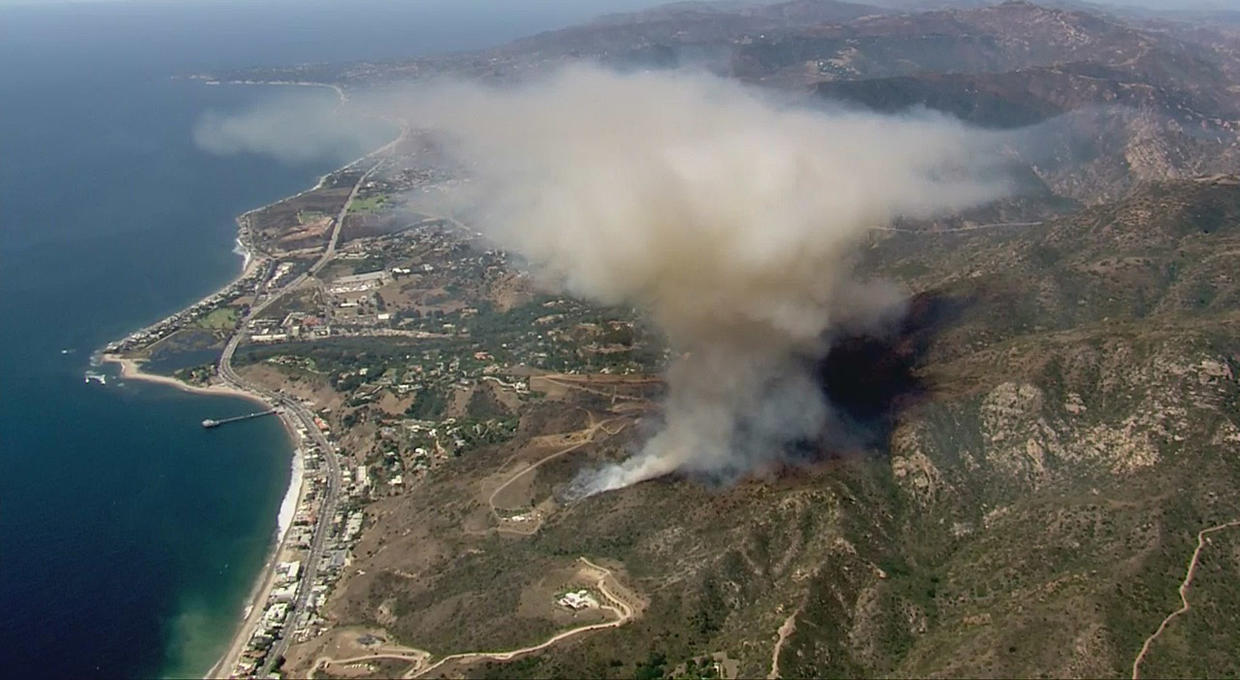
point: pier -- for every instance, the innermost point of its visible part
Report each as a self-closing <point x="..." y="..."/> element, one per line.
<point x="209" y="423"/>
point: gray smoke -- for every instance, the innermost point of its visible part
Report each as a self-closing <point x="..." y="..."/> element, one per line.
<point x="294" y="127"/>
<point x="728" y="218"/>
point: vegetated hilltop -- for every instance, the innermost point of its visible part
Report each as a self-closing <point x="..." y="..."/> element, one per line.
<point x="1116" y="105"/>
<point x="661" y="29"/>
<point x="1080" y="433"/>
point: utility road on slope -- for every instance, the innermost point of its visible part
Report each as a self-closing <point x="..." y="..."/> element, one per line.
<point x="623" y="612"/>
<point x="786" y="629"/>
<point x="586" y="437"/>
<point x="1184" y="606"/>
<point x="956" y="230"/>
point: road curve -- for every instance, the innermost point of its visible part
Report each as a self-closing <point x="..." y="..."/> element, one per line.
<point x="589" y="439"/>
<point x="623" y="612"/>
<point x="294" y="409"/>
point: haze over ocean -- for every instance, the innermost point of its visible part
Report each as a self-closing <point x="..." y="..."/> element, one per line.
<point x="129" y="536"/>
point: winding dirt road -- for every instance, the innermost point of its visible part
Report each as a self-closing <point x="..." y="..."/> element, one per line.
<point x="623" y="612"/>
<point x="416" y="657"/>
<point x="1184" y="606"/>
<point x="587" y="438"/>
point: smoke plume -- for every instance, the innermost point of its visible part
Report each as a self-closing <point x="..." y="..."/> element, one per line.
<point x="728" y="218"/>
<point x="293" y="127"/>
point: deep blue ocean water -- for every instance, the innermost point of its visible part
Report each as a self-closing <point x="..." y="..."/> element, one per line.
<point x="129" y="536"/>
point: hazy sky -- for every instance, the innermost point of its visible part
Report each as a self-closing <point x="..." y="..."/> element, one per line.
<point x="1147" y="4"/>
<point x="180" y="36"/>
<point x="602" y="6"/>
<point x="598" y="6"/>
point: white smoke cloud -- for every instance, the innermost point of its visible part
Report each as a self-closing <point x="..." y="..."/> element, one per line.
<point x="294" y="128"/>
<point x="730" y="219"/>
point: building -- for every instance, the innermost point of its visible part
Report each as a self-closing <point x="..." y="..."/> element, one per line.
<point x="578" y="600"/>
<point x="288" y="571"/>
<point x="359" y="282"/>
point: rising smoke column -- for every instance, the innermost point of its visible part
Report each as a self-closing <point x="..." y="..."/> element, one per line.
<point x="728" y="218"/>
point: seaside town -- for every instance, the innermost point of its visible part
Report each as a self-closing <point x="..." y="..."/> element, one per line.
<point x="388" y="341"/>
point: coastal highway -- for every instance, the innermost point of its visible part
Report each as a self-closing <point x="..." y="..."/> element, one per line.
<point x="322" y="527"/>
<point x="328" y="254"/>
<point x="294" y="409"/>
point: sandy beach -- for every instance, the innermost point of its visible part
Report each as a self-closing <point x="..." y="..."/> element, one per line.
<point x="132" y="369"/>
<point x="253" y="611"/>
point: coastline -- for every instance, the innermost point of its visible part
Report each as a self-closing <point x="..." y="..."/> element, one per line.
<point x="263" y="583"/>
<point x="293" y="495"/>
<point x="251" y="612"/>
<point x="132" y="370"/>
<point x="253" y="259"/>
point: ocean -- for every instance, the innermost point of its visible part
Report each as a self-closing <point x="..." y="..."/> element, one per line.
<point x="129" y="535"/>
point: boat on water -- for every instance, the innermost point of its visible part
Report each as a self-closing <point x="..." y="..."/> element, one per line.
<point x="95" y="376"/>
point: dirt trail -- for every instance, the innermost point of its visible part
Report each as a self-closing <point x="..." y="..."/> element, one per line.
<point x="1184" y="606"/>
<point x="587" y="437"/>
<point x="578" y="385"/>
<point x="956" y="230"/>
<point x="786" y="629"/>
<point x="623" y="612"/>
<point x="417" y="657"/>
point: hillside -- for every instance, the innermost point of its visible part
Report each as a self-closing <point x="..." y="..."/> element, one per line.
<point x="1018" y="470"/>
<point x="1029" y="511"/>
<point x="1031" y="515"/>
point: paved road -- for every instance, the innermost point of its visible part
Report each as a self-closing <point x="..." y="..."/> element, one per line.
<point x="295" y="409"/>
<point x="326" y="257"/>
<point x="322" y="527"/>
